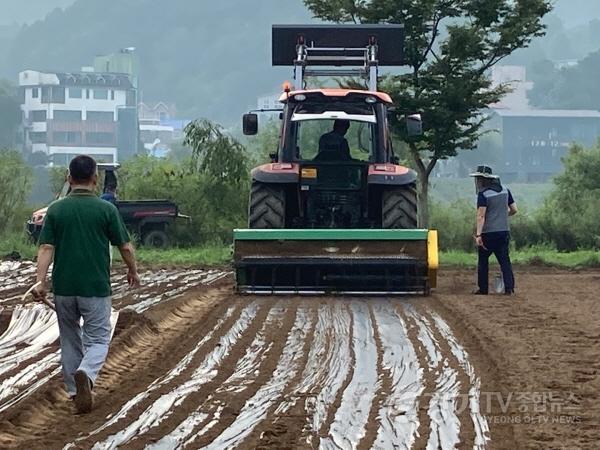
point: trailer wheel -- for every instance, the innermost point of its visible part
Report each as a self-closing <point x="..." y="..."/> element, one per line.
<point x="399" y="208"/>
<point x="267" y="207"/>
<point x="156" y="239"/>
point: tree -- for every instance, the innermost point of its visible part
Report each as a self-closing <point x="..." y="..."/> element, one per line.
<point x="450" y="47"/>
<point x="10" y="114"/>
<point x="216" y="154"/>
<point x="570" y="216"/>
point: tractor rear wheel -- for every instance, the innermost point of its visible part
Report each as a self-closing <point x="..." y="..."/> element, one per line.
<point x="399" y="208"/>
<point x="267" y="207"/>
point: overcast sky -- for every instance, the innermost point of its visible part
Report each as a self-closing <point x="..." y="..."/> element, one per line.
<point x="573" y="12"/>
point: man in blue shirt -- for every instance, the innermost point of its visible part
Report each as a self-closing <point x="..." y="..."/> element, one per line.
<point x="110" y="195"/>
<point x="495" y="204"/>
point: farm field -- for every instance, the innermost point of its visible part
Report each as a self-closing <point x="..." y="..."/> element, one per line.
<point x="193" y="365"/>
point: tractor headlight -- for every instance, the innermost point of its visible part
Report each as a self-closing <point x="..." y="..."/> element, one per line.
<point x="370" y="100"/>
<point x="299" y="97"/>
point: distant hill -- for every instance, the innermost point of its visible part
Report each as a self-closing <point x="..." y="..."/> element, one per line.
<point x="19" y="11"/>
<point x="211" y="58"/>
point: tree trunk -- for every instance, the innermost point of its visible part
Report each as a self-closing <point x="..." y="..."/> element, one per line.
<point x="423" y="199"/>
<point x="424" y="169"/>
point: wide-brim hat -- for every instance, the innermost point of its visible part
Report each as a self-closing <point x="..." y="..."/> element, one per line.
<point x="484" y="172"/>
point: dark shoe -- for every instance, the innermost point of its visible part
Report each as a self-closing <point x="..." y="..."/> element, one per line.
<point x="83" y="399"/>
<point x="479" y="292"/>
<point x="509" y="292"/>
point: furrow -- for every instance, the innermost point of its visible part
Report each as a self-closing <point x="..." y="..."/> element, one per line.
<point x="444" y="422"/>
<point x="398" y="416"/>
<point x="255" y="410"/>
<point x="480" y="424"/>
<point x="158" y="383"/>
<point x="242" y="376"/>
<point x="349" y="425"/>
<point x="160" y="409"/>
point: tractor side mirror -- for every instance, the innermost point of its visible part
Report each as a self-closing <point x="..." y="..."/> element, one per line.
<point x="414" y="125"/>
<point x="250" y="124"/>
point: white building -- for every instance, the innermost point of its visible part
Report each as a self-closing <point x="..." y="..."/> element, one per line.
<point x="269" y="102"/>
<point x="516" y="78"/>
<point x="66" y="114"/>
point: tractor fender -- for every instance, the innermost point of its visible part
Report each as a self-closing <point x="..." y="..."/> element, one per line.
<point x="391" y="175"/>
<point x="277" y="173"/>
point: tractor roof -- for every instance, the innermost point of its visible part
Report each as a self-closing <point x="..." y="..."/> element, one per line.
<point x="381" y="96"/>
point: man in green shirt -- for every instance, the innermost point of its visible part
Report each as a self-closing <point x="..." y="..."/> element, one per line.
<point x="76" y="235"/>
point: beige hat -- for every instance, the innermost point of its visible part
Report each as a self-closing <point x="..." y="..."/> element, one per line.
<point x="484" y="172"/>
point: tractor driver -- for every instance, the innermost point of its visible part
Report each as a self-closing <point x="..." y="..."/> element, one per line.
<point x="333" y="146"/>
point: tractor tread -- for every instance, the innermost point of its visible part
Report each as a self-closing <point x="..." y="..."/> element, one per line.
<point x="267" y="207"/>
<point x="399" y="208"/>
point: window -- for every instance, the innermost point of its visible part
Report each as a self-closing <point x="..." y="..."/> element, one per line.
<point x="101" y="94"/>
<point x="37" y="137"/>
<point x="37" y="116"/>
<point x="75" y="93"/>
<point x="358" y="137"/>
<point x="35" y="93"/>
<point x="87" y="94"/>
<point x="53" y="94"/>
<point x="100" y="116"/>
<point x="67" y="116"/>
<point x="96" y="138"/>
<point x="45" y="94"/>
<point x="66" y="137"/>
<point x="112" y="94"/>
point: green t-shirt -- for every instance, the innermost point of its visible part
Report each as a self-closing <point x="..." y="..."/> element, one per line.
<point x="80" y="228"/>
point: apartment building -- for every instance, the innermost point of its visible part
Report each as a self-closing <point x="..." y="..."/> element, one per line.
<point x="88" y="112"/>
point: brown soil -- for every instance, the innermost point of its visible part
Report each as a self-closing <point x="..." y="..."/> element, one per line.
<point x="536" y="353"/>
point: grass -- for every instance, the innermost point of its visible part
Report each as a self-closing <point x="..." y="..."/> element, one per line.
<point x="218" y="255"/>
<point x="535" y="256"/>
<point x="209" y="255"/>
<point x="448" y="190"/>
<point x="17" y="242"/>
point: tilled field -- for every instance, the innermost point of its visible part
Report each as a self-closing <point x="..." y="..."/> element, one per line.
<point x="194" y="366"/>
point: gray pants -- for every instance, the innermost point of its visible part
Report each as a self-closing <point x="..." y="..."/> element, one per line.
<point x="83" y="348"/>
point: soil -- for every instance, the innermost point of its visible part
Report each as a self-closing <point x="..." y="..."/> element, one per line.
<point x="192" y="365"/>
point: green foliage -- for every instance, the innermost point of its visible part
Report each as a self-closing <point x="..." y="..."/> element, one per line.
<point x="10" y="114"/>
<point x="58" y="176"/>
<point x="571" y="215"/>
<point x="19" y="242"/>
<point x="265" y="142"/>
<point x="532" y="256"/>
<point x="215" y="207"/>
<point x="455" y="223"/>
<point x="215" y="154"/>
<point x="450" y="46"/>
<point x="15" y="179"/>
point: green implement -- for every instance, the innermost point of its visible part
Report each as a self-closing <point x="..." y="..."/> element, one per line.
<point x="330" y="261"/>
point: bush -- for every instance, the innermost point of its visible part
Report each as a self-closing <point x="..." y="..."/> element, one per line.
<point x="15" y="182"/>
<point x="570" y="217"/>
<point x="215" y="208"/>
<point x="455" y="223"/>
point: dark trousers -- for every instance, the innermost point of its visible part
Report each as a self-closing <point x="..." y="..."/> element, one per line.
<point x="496" y="243"/>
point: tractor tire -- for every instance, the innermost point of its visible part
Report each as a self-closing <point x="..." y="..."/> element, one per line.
<point x="399" y="208"/>
<point x="267" y="207"/>
<point x="156" y="239"/>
